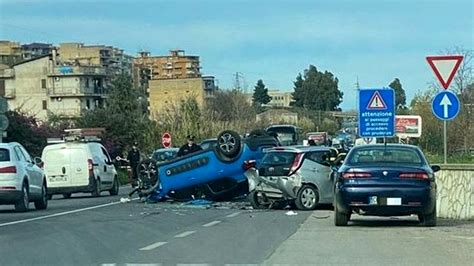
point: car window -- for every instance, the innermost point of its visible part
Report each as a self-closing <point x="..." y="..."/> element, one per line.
<point x="20" y="154"/>
<point x="106" y="154"/>
<point x="279" y="158"/>
<point x="382" y="155"/>
<point x="26" y="154"/>
<point x="4" y="155"/>
<point x="321" y="157"/>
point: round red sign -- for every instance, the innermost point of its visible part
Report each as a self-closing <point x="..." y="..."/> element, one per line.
<point x="166" y="140"/>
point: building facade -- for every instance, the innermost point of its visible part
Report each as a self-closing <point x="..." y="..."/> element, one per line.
<point x="279" y="98"/>
<point x="33" y="50"/>
<point x="10" y="53"/>
<point x="43" y="86"/>
<point x="163" y="94"/>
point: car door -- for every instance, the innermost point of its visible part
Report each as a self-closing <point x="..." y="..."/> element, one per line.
<point x="108" y="167"/>
<point x="27" y="164"/>
<point x="37" y="173"/>
<point x="319" y="172"/>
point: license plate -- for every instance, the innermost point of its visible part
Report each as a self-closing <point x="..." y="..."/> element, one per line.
<point x="58" y="179"/>
<point x="394" y="201"/>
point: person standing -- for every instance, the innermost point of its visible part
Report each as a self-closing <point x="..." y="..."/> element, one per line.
<point x="189" y="147"/>
<point x="133" y="159"/>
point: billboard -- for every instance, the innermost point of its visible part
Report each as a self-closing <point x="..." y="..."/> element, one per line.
<point x="408" y="126"/>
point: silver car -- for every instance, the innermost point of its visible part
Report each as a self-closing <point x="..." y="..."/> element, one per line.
<point x="298" y="175"/>
<point x="21" y="179"/>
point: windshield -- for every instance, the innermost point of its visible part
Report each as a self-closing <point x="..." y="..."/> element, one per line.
<point x="381" y="155"/>
<point x="4" y="155"/>
<point x="161" y="156"/>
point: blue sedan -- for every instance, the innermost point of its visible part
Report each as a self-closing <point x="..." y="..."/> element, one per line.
<point x="385" y="180"/>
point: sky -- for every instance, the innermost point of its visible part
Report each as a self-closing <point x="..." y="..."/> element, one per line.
<point x="371" y="41"/>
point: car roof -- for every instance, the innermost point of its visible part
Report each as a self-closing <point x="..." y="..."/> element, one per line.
<point x="8" y="144"/>
<point x="166" y="149"/>
<point x="298" y="148"/>
<point x="388" y="145"/>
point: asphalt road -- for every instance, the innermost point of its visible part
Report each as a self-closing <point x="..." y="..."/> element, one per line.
<point x="102" y="231"/>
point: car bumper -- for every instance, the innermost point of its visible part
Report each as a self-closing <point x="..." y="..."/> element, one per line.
<point x="381" y="201"/>
<point x="274" y="186"/>
<point x="75" y="189"/>
<point x="9" y="196"/>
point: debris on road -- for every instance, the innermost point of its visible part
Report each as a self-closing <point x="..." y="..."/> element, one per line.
<point x="125" y="200"/>
<point x="291" y="213"/>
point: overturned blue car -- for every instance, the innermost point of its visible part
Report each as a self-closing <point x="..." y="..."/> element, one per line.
<point x="216" y="173"/>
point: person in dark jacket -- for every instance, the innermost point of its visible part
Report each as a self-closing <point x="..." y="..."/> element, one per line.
<point x="133" y="159"/>
<point x="189" y="147"/>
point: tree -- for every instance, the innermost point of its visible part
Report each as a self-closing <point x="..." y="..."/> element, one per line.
<point x="400" y="96"/>
<point x="317" y="90"/>
<point x="260" y="94"/>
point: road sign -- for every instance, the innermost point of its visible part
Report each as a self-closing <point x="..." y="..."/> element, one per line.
<point x="445" y="105"/>
<point x="3" y="105"/>
<point x="166" y="140"/>
<point x="4" y="122"/>
<point x="445" y="67"/>
<point x="408" y="126"/>
<point x="377" y="112"/>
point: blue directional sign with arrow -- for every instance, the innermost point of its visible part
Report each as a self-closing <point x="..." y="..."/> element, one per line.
<point x="445" y="105"/>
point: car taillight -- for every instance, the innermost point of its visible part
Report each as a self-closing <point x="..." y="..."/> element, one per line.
<point x="8" y="170"/>
<point x="414" y="175"/>
<point x="90" y="167"/>
<point x="296" y="163"/>
<point x="349" y="175"/>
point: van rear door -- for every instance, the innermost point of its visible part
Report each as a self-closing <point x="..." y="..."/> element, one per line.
<point x="57" y="166"/>
<point x="79" y="165"/>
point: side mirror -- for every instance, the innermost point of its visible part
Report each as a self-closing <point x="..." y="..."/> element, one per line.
<point x="435" y="168"/>
<point x="37" y="161"/>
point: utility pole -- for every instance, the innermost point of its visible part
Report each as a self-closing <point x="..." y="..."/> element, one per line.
<point x="238" y="76"/>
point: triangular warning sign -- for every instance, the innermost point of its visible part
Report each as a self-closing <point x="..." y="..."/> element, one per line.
<point x="445" y="67"/>
<point x="376" y="102"/>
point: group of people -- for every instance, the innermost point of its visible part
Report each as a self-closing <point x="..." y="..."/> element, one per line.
<point x="134" y="156"/>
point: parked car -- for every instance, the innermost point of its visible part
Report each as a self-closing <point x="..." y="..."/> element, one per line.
<point x="208" y="143"/>
<point x="287" y="134"/>
<point x="21" y="179"/>
<point x="164" y="155"/>
<point x="299" y="175"/>
<point x="216" y="173"/>
<point x="79" y="165"/>
<point x="385" y="180"/>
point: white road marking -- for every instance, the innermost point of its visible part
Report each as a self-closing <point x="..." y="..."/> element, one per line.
<point x="185" y="234"/>
<point x="212" y="223"/>
<point x="144" y="264"/>
<point x="233" y="214"/>
<point x="153" y="246"/>
<point x="464" y="237"/>
<point x="62" y="213"/>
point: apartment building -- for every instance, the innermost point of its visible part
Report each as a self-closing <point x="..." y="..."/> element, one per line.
<point x="10" y="52"/>
<point x="45" y="85"/>
<point x="164" y="93"/>
<point x="176" y="65"/>
<point x="32" y="50"/>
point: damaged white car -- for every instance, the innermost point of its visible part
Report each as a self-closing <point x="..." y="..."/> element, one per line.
<point x="301" y="176"/>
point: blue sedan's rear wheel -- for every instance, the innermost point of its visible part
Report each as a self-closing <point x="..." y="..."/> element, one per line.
<point x="228" y="143"/>
<point x="340" y="218"/>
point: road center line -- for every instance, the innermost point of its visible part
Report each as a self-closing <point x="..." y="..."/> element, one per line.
<point x="185" y="234"/>
<point x="153" y="246"/>
<point x="212" y="223"/>
<point x="233" y="214"/>
<point x="62" y="213"/>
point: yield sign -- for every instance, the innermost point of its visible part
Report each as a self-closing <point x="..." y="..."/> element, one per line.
<point x="376" y="102"/>
<point x="445" y="67"/>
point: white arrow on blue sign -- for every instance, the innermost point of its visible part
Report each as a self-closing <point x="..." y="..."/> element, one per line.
<point x="445" y="105"/>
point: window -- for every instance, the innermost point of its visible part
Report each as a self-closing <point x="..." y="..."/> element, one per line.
<point x="87" y="82"/>
<point x="20" y="156"/>
<point x="385" y="155"/>
<point x="106" y="155"/>
<point x="4" y="155"/>
<point x="43" y="83"/>
<point x="88" y="104"/>
<point x="321" y="157"/>
<point x="45" y="105"/>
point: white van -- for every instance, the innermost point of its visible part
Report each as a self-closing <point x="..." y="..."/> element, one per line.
<point x="72" y="167"/>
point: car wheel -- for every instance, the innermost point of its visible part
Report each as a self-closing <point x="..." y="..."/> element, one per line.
<point x="228" y="143"/>
<point x="429" y="220"/>
<point x="258" y="200"/>
<point x="66" y="195"/>
<point x="22" y="204"/>
<point x="115" y="188"/>
<point x="307" y="198"/>
<point x="147" y="173"/>
<point x="97" y="189"/>
<point x="340" y="218"/>
<point x="42" y="203"/>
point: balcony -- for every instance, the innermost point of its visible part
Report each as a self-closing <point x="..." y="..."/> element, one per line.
<point x="7" y="73"/>
<point x="77" y="92"/>
<point x="78" y="71"/>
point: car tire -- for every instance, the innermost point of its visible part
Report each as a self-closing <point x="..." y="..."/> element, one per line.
<point x="429" y="220"/>
<point x="115" y="188"/>
<point x="256" y="201"/>
<point x="23" y="203"/>
<point x="147" y="173"/>
<point x="229" y="143"/>
<point x="340" y="218"/>
<point x="96" y="188"/>
<point x="307" y="198"/>
<point x="67" y="195"/>
<point x="42" y="203"/>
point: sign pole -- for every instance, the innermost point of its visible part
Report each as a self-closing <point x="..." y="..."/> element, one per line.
<point x="445" y="142"/>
